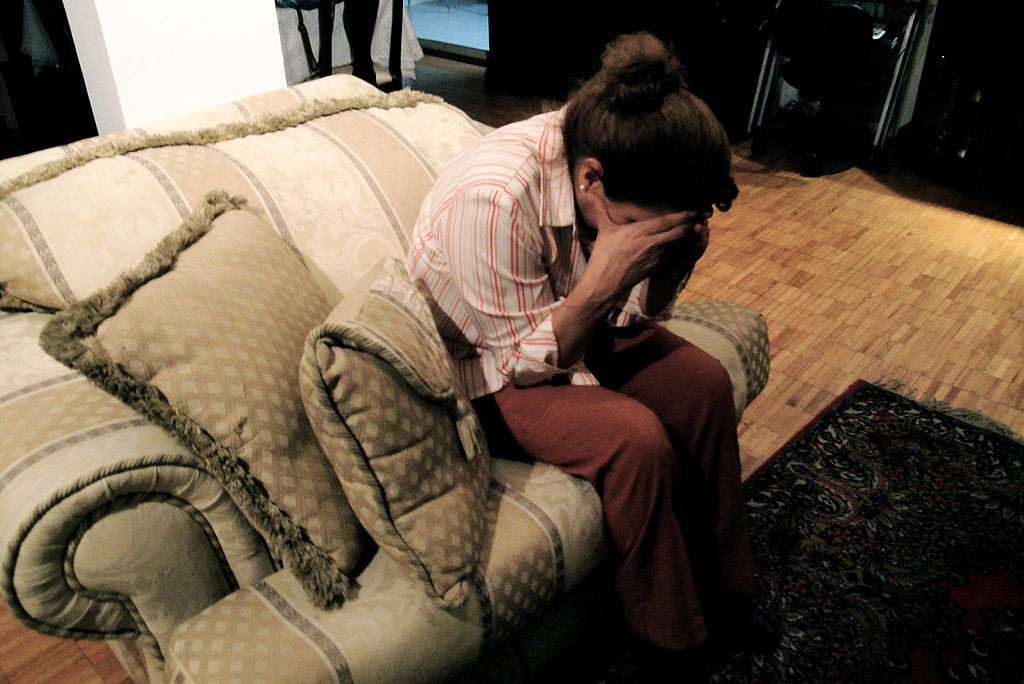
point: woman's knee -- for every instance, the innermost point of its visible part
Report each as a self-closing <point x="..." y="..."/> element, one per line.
<point x="713" y="379"/>
<point x="640" y="443"/>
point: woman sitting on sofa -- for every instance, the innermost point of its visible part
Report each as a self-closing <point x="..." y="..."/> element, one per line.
<point x="548" y="251"/>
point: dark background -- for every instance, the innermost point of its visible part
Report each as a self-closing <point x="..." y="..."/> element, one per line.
<point x="52" y="108"/>
<point x="548" y="46"/>
<point x="968" y="124"/>
<point x="967" y="129"/>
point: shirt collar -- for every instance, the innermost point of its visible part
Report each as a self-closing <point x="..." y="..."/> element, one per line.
<point x="557" y="201"/>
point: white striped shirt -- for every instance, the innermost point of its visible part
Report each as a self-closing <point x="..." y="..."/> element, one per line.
<point x="495" y="250"/>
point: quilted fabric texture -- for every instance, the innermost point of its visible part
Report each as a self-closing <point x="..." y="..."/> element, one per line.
<point x="203" y="338"/>
<point x="377" y="384"/>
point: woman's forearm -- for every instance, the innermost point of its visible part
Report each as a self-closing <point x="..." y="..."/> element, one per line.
<point x="667" y="278"/>
<point x="577" y="317"/>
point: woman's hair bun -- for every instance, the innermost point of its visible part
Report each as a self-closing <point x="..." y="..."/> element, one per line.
<point x="639" y="72"/>
<point x="658" y="143"/>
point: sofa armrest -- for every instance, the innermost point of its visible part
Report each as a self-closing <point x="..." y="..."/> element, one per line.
<point x="109" y="528"/>
<point x="734" y="334"/>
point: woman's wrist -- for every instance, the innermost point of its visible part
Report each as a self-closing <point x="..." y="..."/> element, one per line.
<point x="576" y="319"/>
<point x="662" y="288"/>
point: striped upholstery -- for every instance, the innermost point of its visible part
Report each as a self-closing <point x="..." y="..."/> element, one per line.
<point x="545" y="538"/>
<point x="344" y="189"/>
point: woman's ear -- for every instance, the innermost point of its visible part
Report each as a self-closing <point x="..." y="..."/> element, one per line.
<point x="588" y="175"/>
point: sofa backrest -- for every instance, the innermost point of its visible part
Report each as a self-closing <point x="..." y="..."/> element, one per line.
<point x="338" y="168"/>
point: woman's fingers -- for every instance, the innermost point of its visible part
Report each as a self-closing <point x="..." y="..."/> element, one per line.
<point x="664" y="222"/>
<point x="670" y="234"/>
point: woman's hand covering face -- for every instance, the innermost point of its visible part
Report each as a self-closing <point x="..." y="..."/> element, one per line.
<point x="632" y="241"/>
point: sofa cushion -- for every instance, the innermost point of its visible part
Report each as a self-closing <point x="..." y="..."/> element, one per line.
<point x="377" y="385"/>
<point x="203" y="338"/>
<point x="323" y="149"/>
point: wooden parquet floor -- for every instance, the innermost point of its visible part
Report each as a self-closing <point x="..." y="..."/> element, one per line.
<point x="860" y="276"/>
<point x="874" y="277"/>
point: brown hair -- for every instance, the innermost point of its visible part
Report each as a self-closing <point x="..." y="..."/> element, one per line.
<point x="659" y="144"/>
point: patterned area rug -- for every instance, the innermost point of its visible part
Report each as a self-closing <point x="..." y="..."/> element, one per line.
<point x="890" y="541"/>
<point x="890" y="544"/>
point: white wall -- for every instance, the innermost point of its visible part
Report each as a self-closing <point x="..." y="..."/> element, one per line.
<point x="147" y="60"/>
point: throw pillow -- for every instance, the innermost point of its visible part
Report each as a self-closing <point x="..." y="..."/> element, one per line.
<point x="203" y="338"/>
<point x="379" y="389"/>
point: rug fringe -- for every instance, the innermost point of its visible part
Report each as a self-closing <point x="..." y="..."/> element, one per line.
<point x="969" y="416"/>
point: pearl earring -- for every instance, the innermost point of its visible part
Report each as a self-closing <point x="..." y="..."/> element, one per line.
<point x="582" y="186"/>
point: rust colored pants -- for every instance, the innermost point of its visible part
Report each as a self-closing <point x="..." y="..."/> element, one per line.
<point x="657" y="440"/>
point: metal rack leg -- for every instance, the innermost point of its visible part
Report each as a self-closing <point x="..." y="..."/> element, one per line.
<point x="896" y="84"/>
<point x="764" y="87"/>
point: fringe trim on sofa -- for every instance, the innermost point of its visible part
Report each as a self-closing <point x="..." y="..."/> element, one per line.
<point x="324" y="582"/>
<point x="216" y="134"/>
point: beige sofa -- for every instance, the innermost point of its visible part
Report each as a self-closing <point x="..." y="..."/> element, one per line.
<point x="115" y="525"/>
